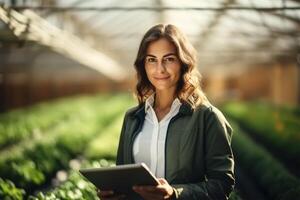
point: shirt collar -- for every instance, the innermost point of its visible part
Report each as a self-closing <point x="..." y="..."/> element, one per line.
<point x="139" y="112"/>
<point x="150" y="100"/>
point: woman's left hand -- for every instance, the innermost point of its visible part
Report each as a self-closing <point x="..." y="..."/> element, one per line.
<point x="161" y="191"/>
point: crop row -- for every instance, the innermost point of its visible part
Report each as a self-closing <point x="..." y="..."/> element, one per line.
<point x="277" y="128"/>
<point x="266" y="171"/>
<point x="76" y="187"/>
<point x="29" y="122"/>
<point x="30" y="166"/>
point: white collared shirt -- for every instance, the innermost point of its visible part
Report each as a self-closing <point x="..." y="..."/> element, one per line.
<point x="149" y="145"/>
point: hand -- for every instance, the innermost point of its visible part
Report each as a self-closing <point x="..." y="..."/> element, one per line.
<point x="161" y="191"/>
<point x="109" y="195"/>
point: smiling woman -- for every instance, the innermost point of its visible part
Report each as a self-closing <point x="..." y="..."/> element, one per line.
<point x="183" y="139"/>
<point x="168" y="46"/>
<point x="162" y="66"/>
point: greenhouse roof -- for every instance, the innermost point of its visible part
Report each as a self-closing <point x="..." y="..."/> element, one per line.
<point x="226" y="33"/>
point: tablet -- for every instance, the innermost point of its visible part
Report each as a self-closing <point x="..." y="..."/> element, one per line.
<point x="120" y="178"/>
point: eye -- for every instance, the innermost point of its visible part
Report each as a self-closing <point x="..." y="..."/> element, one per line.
<point x="170" y="59"/>
<point x="150" y="60"/>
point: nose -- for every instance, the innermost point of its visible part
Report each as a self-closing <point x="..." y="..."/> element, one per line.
<point x="161" y="67"/>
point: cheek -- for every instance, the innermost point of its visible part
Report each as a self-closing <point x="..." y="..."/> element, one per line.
<point x="148" y="73"/>
<point x="176" y="72"/>
<point x="147" y="70"/>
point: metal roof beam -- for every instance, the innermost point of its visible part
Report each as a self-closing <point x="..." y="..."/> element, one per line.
<point x="30" y="26"/>
<point x="204" y="35"/>
<point x="148" y="8"/>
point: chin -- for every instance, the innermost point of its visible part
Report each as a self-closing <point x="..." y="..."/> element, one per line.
<point x="162" y="87"/>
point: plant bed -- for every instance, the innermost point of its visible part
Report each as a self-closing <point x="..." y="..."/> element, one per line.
<point x="269" y="174"/>
<point x="276" y="128"/>
<point x="17" y="125"/>
<point x="32" y="166"/>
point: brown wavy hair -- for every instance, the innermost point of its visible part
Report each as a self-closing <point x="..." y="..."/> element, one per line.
<point x="188" y="87"/>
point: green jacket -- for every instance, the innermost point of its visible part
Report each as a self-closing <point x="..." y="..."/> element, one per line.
<point x="199" y="161"/>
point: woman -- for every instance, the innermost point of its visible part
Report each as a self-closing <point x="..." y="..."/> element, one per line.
<point x="185" y="141"/>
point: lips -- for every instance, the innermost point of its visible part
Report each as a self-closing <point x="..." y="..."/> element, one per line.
<point x="161" y="78"/>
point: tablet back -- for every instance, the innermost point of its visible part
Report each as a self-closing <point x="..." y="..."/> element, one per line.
<point x="120" y="178"/>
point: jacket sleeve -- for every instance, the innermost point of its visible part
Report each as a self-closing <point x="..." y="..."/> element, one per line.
<point x="120" y="152"/>
<point x="219" y="163"/>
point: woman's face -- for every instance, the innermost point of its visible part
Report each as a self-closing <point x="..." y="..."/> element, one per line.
<point x="162" y="65"/>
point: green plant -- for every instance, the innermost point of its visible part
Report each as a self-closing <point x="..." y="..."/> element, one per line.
<point x="266" y="171"/>
<point x="8" y="191"/>
<point x="32" y="165"/>
<point x="20" y="124"/>
<point x="76" y="187"/>
<point x="275" y="127"/>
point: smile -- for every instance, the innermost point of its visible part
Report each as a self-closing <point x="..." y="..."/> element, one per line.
<point x="161" y="78"/>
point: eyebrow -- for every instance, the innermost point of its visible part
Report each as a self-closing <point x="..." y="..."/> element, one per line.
<point x="169" y="54"/>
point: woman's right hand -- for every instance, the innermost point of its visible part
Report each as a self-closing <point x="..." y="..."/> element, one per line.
<point x="109" y="195"/>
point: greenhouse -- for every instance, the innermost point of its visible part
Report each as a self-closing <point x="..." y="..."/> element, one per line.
<point x="101" y="84"/>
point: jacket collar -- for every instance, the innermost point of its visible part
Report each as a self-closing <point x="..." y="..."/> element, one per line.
<point x="185" y="109"/>
<point x="150" y="101"/>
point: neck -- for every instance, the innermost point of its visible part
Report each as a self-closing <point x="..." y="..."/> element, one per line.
<point x="164" y="99"/>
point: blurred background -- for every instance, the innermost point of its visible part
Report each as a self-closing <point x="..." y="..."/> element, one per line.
<point x="64" y="64"/>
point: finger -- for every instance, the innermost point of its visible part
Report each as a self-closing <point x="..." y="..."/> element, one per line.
<point x="157" y="189"/>
<point x="160" y="190"/>
<point x="162" y="181"/>
<point x="145" y="188"/>
<point x="165" y="186"/>
<point x="152" y="194"/>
